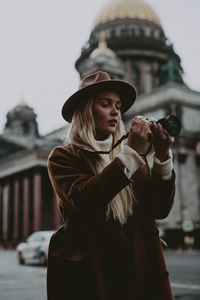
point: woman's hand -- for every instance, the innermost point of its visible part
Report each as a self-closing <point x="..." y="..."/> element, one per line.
<point x="139" y="134"/>
<point x="162" y="141"/>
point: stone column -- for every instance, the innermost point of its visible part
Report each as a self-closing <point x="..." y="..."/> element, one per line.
<point x="26" y="207"/>
<point x="1" y="213"/>
<point x="37" y="202"/>
<point x="145" y="77"/>
<point x="16" y="211"/>
<point x="128" y="71"/>
<point x="5" y="206"/>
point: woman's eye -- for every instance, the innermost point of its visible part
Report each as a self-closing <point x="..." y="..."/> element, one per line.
<point x="104" y="103"/>
<point x="119" y="106"/>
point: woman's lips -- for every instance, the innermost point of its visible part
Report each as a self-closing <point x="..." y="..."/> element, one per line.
<point x="113" y="122"/>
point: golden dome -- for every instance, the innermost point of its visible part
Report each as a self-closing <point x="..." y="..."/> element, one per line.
<point x="128" y="9"/>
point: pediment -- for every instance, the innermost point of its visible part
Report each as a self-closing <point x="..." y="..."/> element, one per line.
<point x="169" y="94"/>
<point x="8" y="147"/>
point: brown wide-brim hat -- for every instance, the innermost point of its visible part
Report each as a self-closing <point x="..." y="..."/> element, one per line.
<point x="95" y="83"/>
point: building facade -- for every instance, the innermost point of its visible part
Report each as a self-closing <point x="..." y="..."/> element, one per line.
<point x="135" y="42"/>
<point x="128" y="42"/>
<point x="27" y="201"/>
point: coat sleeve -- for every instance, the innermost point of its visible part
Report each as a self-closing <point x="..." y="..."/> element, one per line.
<point x="161" y="195"/>
<point x="77" y="187"/>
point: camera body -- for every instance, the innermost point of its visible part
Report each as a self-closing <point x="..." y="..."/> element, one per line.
<point x="170" y="123"/>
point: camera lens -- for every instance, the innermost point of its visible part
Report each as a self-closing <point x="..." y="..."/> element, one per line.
<point x="172" y="124"/>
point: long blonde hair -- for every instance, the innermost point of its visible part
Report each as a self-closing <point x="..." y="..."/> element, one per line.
<point x="82" y="133"/>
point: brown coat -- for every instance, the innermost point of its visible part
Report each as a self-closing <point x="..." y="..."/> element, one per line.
<point x="94" y="259"/>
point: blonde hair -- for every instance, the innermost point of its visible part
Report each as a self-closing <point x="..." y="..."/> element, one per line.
<point x="82" y="132"/>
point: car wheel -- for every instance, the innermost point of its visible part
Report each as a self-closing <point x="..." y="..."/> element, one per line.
<point x="21" y="259"/>
<point x="44" y="259"/>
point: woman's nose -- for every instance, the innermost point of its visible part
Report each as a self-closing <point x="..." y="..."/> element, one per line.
<point x="115" y="110"/>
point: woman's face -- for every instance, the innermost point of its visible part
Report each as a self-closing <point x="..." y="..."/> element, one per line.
<point x="106" y="112"/>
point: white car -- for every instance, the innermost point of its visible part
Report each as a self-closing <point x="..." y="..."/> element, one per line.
<point x="35" y="249"/>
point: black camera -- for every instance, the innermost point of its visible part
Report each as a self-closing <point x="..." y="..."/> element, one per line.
<point x="170" y="123"/>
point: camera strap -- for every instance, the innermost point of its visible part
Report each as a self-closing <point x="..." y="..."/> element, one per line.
<point x="119" y="142"/>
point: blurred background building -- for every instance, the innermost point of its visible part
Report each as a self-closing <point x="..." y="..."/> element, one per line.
<point x="128" y="42"/>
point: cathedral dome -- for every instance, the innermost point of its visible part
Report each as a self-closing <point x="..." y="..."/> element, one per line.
<point x="22" y="111"/>
<point x="128" y="9"/>
<point x="21" y="120"/>
<point x="102" y="58"/>
<point x="133" y="32"/>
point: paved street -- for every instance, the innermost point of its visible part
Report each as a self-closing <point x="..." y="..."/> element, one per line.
<point x="20" y="282"/>
<point x="29" y="283"/>
<point x="184" y="269"/>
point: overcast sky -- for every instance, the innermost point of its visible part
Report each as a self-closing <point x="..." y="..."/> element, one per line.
<point x="40" y="41"/>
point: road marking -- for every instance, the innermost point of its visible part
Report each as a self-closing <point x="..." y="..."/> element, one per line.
<point x="186" y="286"/>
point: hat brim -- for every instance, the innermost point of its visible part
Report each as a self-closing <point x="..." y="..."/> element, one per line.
<point x="125" y="90"/>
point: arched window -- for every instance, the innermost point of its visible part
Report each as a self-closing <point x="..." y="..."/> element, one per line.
<point x="26" y="127"/>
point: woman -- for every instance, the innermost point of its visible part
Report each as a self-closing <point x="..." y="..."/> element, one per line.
<point x="109" y="198"/>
